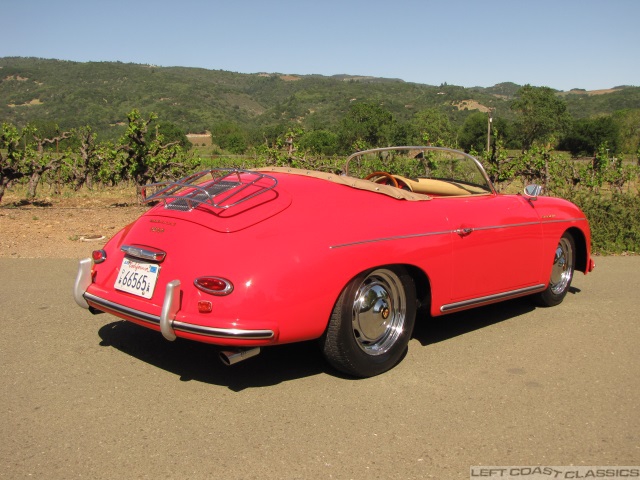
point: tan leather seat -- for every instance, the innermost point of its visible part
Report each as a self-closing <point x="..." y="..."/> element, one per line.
<point x="430" y="186"/>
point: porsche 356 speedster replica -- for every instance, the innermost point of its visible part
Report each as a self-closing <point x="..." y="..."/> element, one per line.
<point x="248" y="259"/>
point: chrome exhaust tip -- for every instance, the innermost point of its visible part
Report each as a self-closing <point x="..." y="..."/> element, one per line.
<point x="231" y="357"/>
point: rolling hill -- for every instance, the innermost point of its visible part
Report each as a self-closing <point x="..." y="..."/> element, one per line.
<point x="100" y="94"/>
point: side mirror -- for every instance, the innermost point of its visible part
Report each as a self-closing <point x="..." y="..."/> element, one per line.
<point x="531" y="192"/>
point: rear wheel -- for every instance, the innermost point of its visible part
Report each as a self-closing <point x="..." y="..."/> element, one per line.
<point x="371" y="322"/>
<point x="561" y="273"/>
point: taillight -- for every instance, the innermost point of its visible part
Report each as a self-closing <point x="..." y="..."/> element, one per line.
<point x="98" y="256"/>
<point x="205" y="306"/>
<point x="214" y="285"/>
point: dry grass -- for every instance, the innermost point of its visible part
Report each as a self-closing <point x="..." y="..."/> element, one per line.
<point x="66" y="224"/>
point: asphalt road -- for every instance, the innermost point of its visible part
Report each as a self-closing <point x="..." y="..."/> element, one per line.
<point x="92" y="397"/>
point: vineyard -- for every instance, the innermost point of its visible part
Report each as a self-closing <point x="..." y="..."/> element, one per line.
<point x="73" y="163"/>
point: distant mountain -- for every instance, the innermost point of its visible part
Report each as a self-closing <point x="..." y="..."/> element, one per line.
<point x="506" y="89"/>
<point x="100" y="94"/>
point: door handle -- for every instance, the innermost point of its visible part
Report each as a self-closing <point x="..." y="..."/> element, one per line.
<point x="463" y="232"/>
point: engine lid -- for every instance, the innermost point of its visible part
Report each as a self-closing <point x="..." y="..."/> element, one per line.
<point x="220" y="199"/>
<point x="228" y="220"/>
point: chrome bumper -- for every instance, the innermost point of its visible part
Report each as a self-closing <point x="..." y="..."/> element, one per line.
<point x="166" y="321"/>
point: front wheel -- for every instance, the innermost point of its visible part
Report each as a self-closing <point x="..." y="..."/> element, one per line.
<point x="561" y="273"/>
<point x="371" y="322"/>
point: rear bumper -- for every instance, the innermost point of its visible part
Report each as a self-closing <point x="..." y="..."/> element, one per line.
<point x="166" y="321"/>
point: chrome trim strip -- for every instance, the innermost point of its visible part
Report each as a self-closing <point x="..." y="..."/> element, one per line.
<point x="130" y="312"/>
<point x="451" y="307"/>
<point x="511" y="225"/>
<point x="565" y="220"/>
<point x="456" y="231"/>
<point x="429" y="234"/>
<point x="182" y="326"/>
<point x="83" y="280"/>
<point x="224" y="332"/>
<point x="388" y="239"/>
<point x="170" y="307"/>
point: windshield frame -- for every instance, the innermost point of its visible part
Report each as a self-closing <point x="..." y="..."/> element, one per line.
<point x="423" y="149"/>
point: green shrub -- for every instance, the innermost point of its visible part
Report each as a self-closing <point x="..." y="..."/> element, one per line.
<point x="614" y="220"/>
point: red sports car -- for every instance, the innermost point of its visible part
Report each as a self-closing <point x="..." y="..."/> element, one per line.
<point x="249" y="259"/>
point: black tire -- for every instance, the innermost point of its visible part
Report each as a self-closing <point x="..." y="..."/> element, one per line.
<point x="564" y="261"/>
<point x="371" y="323"/>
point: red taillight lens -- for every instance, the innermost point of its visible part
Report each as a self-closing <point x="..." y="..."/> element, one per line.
<point x="98" y="256"/>
<point x="214" y="285"/>
<point x="205" y="306"/>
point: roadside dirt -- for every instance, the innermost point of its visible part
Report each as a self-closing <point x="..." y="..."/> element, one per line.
<point x="62" y="227"/>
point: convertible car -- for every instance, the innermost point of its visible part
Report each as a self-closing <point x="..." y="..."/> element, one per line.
<point x="249" y="259"/>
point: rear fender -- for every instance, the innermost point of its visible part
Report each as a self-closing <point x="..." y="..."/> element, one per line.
<point x="582" y="250"/>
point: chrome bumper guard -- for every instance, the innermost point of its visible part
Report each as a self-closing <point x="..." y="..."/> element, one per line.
<point x="170" y="307"/>
<point x="166" y="321"/>
<point x="83" y="280"/>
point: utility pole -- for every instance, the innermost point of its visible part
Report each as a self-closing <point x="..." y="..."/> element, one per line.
<point x="490" y="120"/>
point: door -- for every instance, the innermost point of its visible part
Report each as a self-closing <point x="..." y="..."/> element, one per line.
<point x="496" y="245"/>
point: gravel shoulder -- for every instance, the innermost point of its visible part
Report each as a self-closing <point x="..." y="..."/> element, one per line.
<point x="62" y="228"/>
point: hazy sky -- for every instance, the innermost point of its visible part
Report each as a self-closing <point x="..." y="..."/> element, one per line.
<point x="562" y="44"/>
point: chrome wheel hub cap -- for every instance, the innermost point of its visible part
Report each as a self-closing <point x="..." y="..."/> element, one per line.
<point x="379" y="312"/>
<point x="562" y="269"/>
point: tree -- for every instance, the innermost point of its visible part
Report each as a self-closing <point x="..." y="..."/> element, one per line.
<point x="319" y="142"/>
<point x="542" y="115"/>
<point x="473" y="133"/>
<point x="88" y="160"/>
<point x="229" y="136"/>
<point x="11" y="162"/>
<point x="628" y="122"/>
<point x="500" y="168"/>
<point x="38" y="160"/>
<point x="587" y="135"/>
<point x="433" y="128"/>
<point x="172" y="133"/>
<point x="146" y="157"/>
<point x="367" y="125"/>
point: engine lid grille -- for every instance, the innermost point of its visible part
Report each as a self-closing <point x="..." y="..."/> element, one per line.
<point x="225" y="189"/>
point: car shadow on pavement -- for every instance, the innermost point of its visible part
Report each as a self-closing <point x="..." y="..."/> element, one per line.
<point x="198" y="361"/>
<point x="429" y="330"/>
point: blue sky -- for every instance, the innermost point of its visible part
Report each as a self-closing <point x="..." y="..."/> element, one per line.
<point x="562" y="44"/>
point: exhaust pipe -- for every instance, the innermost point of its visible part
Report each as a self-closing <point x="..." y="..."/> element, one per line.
<point x="231" y="357"/>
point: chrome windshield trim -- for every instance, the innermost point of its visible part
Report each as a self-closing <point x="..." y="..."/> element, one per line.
<point x="474" y="302"/>
<point x="258" y="334"/>
<point x="423" y="148"/>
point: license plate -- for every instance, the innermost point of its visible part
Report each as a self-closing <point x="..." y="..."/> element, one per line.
<point x="137" y="278"/>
